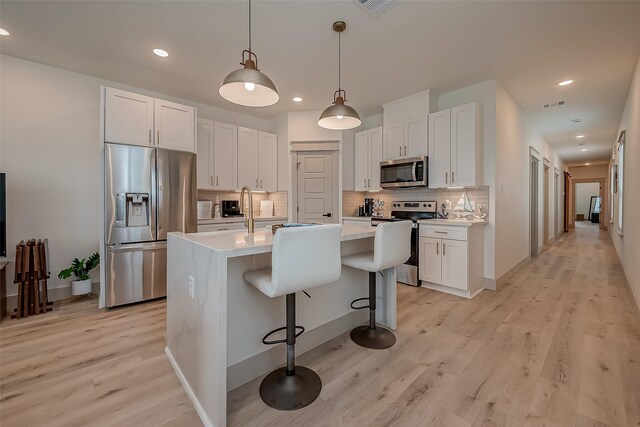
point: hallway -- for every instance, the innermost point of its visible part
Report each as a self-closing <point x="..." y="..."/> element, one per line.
<point x="558" y="346"/>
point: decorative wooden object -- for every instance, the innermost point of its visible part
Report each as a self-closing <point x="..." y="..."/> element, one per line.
<point x="32" y="270"/>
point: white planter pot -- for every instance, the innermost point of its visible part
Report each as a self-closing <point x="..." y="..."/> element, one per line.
<point x="80" y="287"/>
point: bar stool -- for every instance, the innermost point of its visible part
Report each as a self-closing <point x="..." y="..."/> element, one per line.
<point x="302" y="257"/>
<point x="392" y="246"/>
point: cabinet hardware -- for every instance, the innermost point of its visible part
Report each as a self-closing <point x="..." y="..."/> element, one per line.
<point x="158" y="141"/>
<point x="437" y="248"/>
<point x="368" y="182"/>
<point x="149" y="136"/>
<point x="453" y="177"/>
<point x="446" y="177"/>
<point x="444" y="249"/>
<point x="365" y="183"/>
<point x="256" y="182"/>
<point x="400" y="151"/>
<point x="260" y="183"/>
<point x="211" y="181"/>
<point x="440" y="232"/>
<point x="216" y="181"/>
<point x="405" y="150"/>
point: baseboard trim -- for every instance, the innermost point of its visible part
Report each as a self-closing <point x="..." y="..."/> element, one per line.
<point x="187" y="388"/>
<point x="255" y="366"/>
<point x="53" y="294"/>
<point x="509" y="274"/>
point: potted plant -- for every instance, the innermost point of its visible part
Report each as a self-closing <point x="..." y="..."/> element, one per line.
<point x="80" y="269"/>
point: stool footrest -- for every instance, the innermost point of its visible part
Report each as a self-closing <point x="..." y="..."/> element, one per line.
<point x="284" y="328"/>
<point x="361" y="307"/>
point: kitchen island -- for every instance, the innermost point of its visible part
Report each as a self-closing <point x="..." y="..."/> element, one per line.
<point x="216" y="321"/>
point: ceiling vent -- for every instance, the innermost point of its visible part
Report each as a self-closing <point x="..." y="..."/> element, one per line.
<point x="554" y="104"/>
<point x="376" y="7"/>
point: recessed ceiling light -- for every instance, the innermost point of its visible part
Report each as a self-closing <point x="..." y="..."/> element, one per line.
<point x="587" y="164"/>
<point x="161" y="53"/>
<point x="565" y="82"/>
<point x="4" y="32"/>
<point x="584" y="149"/>
<point x="579" y="136"/>
<point x="297" y="99"/>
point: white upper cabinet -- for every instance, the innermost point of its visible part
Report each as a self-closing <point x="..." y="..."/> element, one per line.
<point x="175" y="126"/>
<point x="225" y="156"/>
<point x="439" y="148"/>
<point x="455" y="151"/>
<point x="135" y="119"/>
<point x="204" y="153"/>
<point x="405" y="127"/>
<point x="368" y="154"/>
<point x="128" y="118"/>
<point x="268" y="161"/>
<point x="248" y="158"/>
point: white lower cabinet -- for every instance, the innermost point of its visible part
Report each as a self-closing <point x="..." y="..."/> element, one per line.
<point x="451" y="259"/>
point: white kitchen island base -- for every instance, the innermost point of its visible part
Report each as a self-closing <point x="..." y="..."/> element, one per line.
<point x="216" y="321"/>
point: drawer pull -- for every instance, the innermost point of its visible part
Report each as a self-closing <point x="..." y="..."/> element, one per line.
<point x="437" y="248"/>
<point x="444" y="250"/>
<point x="440" y="232"/>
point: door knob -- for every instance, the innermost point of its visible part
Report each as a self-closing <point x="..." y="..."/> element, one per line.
<point x="328" y="215"/>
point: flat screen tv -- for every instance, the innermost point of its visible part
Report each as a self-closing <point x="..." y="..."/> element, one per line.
<point x="3" y="215"/>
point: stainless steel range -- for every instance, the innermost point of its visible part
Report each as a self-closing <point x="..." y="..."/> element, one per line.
<point x="414" y="211"/>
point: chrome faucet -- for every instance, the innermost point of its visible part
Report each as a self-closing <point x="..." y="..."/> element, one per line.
<point x="248" y="218"/>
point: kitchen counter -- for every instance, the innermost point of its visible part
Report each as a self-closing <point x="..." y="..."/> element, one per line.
<point x="454" y="222"/>
<point x="216" y="320"/>
<point x="235" y="219"/>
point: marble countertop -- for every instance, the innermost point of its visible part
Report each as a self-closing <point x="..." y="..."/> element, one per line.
<point x="454" y="222"/>
<point x="239" y="243"/>
<point x="240" y="219"/>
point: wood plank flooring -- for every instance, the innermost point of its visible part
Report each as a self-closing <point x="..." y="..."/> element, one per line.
<point x="558" y="346"/>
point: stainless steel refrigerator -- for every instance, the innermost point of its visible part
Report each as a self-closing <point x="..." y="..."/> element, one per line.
<point x="148" y="193"/>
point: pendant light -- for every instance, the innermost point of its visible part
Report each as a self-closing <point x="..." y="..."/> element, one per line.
<point x="339" y="116"/>
<point x="248" y="86"/>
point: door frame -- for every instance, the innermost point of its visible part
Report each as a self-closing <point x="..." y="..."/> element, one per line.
<point x="604" y="202"/>
<point x="556" y="203"/>
<point x="546" y="199"/>
<point x="535" y="159"/>
<point x="318" y="147"/>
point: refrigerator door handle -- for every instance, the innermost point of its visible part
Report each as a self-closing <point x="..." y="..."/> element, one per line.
<point x="135" y="247"/>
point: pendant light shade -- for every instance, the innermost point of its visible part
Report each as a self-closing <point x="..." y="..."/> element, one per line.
<point x="339" y="116"/>
<point x="248" y="86"/>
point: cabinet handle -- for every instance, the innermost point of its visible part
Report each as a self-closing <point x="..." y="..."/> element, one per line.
<point x="453" y="177"/>
<point x="149" y="136"/>
<point x="405" y="150"/>
<point x="158" y="141"/>
<point x="400" y="151"/>
<point x="211" y="181"/>
<point x="216" y="181"/>
<point x="260" y="182"/>
<point x="368" y="182"/>
<point x="365" y="183"/>
<point x="446" y="177"/>
<point x="256" y="182"/>
<point x="440" y="232"/>
<point x="444" y="250"/>
<point x="437" y="248"/>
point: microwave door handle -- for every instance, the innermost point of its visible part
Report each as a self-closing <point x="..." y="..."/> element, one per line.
<point x="414" y="171"/>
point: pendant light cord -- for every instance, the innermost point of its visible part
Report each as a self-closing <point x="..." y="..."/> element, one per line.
<point x="339" y="58"/>
<point x="249" y="28"/>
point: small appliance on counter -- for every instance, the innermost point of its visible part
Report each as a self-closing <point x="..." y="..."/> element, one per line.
<point x="204" y="209"/>
<point x="231" y="208"/>
<point x="368" y="206"/>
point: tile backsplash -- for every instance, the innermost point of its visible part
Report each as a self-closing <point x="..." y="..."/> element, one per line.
<point x="352" y="199"/>
<point x="279" y="199"/>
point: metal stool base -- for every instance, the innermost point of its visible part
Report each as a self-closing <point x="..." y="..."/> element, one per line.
<point x="290" y="392"/>
<point x="377" y="339"/>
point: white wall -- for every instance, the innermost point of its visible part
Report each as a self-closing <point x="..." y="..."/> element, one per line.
<point x="485" y="95"/>
<point x="50" y="151"/>
<point x="514" y="138"/>
<point x="584" y="192"/>
<point x="628" y="248"/>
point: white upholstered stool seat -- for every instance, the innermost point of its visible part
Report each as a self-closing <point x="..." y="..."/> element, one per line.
<point x="392" y="247"/>
<point x="302" y="258"/>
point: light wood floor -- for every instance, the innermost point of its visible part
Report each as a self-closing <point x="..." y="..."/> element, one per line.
<point x="558" y="346"/>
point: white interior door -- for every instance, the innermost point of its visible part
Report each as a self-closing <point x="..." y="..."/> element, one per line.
<point x="439" y="148"/>
<point x="361" y="161"/>
<point x="175" y="126"/>
<point x="315" y="201"/>
<point x="248" y="164"/>
<point x="128" y="118"/>
<point x="268" y="160"/>
<point x="430" y="262"/>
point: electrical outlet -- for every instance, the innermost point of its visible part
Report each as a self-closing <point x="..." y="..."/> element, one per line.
<point x="192" y="287"/>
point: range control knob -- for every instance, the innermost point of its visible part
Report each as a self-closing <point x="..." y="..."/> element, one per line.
<point x="424" y="206"/>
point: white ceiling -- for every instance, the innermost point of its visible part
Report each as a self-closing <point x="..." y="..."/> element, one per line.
<point x="527" y="46"/>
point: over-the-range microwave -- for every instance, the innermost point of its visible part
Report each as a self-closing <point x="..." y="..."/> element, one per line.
<point x="404" y="173"/>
